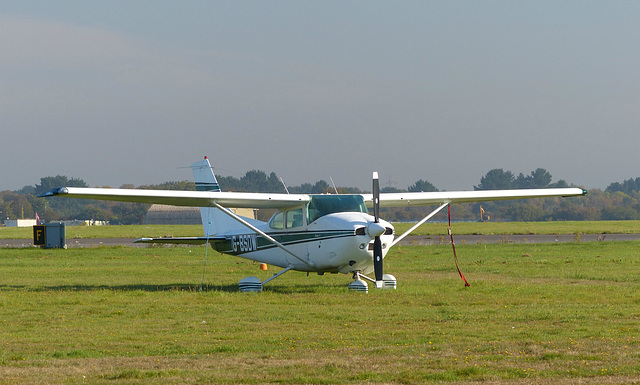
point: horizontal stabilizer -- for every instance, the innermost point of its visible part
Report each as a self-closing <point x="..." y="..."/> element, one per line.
<point x="182" y="241"/>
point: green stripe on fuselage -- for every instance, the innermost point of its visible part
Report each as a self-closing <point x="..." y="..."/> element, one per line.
<point x="285" y="238"/>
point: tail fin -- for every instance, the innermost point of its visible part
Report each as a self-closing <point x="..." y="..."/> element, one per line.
<point x="206" y="181"/>
<point x="204" y="177"/>
<point x="213" y="220"/>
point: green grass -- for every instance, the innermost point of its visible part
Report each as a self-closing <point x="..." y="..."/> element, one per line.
<point x="526" y="228"/>
<point x="132" y="231"/>
<point x="557" y="313"/>
<point x="487" y="228"/>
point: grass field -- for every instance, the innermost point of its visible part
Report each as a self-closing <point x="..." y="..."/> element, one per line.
<point x="550" y="314"/>
<point x="486" y="228"/>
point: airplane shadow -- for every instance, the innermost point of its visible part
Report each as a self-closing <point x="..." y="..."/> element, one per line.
<point x="135" y="287"/>
<point x="304" y="289"/>
<point x="285" y="289"/>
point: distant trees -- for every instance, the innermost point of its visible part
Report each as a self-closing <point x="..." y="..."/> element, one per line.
<point x="255" y="180"/>
<point x="627" y="187"/>
<point x="129" y="213"/>
<point x="15" y="206"/>
<point x="320" y="187"/>
<point x="252" y="181"/>
<point x="24" y="203"/>
<point x="539" y="178"/>
<point x="620" y="201"/>
<point x="498" y="179"/>
<point x="422" y="186"/>
<point x="529" y="210"/>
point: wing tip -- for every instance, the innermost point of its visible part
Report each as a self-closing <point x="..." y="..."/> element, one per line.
<point x="53" y="192"/>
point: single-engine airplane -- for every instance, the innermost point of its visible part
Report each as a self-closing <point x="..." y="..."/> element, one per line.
<point x="322" y="233"/>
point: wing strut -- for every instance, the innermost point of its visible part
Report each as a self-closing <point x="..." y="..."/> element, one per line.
<point x="276" y="275"/>
<point x="262" y="233"/>
<point x="423" y="220"/>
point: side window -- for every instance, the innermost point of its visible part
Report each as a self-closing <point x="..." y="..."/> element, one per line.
<point x="294" y="218"/>
<point x="277" y="221"/>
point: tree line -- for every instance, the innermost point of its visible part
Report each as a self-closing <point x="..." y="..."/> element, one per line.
<point x="619" y="201"/>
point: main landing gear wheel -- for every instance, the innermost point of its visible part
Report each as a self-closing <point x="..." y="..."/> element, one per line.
<point x="359" y="285"/>
<point x="253" y="284"/>
<point x="250" y="284"/>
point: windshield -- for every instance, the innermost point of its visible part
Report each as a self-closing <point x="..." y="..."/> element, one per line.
<point x="321" y="205"/>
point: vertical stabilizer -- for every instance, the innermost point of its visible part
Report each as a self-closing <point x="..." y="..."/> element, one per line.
<point x="206" y="181"/>
<point x="214" y="221"/>
<point x="204" y="177"/>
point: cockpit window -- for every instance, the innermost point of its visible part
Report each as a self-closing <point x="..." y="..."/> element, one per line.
<point x="287" y="219"/>
<point x="318" y="206"/>
<point x="294" y="218"/>
<point x="321" y="205"/>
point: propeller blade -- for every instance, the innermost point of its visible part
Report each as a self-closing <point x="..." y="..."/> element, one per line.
<point x="377" y="259"/>
<point x="377" y="243"/>
<point x="376" y="197"/>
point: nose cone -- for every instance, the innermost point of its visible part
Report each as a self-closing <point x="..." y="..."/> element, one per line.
<point x="375" y="229"/>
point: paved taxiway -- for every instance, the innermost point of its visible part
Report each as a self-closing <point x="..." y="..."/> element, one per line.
<point x="410" y="240"/>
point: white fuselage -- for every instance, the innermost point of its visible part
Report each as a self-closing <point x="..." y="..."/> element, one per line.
<point x="337" y="242"/>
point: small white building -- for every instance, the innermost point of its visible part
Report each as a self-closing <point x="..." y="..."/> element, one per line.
<point x="88" y="222"/>
<point x="172" y="215"/>
<point x="20" y="222"/>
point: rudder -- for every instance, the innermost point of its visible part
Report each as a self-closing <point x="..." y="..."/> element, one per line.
<point x="204" y="177"/>
<point x="206" y="180"/>
<point x="214" y="221"/>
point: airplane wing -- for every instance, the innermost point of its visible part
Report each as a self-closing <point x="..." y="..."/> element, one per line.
<point x="279" y="201"/>
<point x="433" y="198"/>
<point x="183" y="198"/>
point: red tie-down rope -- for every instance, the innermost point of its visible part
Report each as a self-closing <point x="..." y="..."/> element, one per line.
<point x="455" y="257"/>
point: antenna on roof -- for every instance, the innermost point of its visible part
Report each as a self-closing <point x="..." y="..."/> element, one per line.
<point x="285" y="186"/>
<point x="333" y="184"/>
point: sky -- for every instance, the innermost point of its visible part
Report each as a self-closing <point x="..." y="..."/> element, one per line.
<point x="133" y="92"/>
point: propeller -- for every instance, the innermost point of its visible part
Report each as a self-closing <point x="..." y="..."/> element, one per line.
<point x="377" y="243"/>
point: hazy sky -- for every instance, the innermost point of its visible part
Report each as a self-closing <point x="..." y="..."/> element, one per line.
<point x="118" y="92"/>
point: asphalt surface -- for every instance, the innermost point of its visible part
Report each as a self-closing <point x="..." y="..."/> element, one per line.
<point x="483" y="239"/>
<point x="410" y="240"/>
